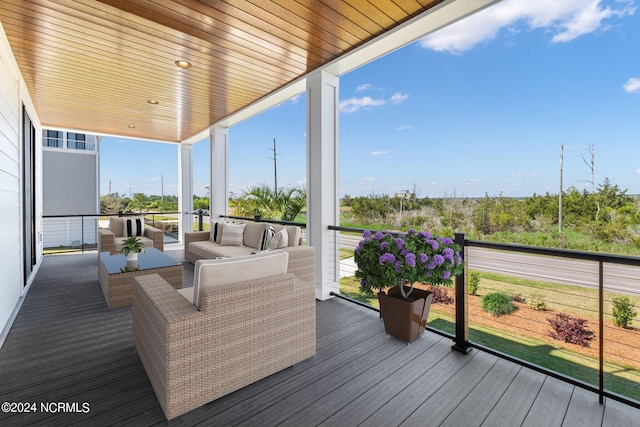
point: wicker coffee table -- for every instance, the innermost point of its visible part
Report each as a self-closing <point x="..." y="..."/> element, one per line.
<point x="116" y="282"/>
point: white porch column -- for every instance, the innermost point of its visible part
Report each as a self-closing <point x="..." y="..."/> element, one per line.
<point x="219" y="196"/>
<point x="185" y="188"/>
<point x="322" y="180"/>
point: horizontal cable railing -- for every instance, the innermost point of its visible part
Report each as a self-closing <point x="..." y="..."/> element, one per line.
<point x="73" y="233"/>
<point x="609" y="363"/>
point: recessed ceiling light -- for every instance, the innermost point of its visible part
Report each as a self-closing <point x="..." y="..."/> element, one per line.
<point x="183" y="64"/>
<point x="153" y="101"/>
<point x="131" y="126"/>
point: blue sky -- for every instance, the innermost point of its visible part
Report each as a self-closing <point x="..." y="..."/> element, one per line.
<point x="480" y="107"/>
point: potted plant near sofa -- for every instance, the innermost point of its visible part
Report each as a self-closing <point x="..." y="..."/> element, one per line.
<point x="131" y="247"/>
<point x="395" y="263"/>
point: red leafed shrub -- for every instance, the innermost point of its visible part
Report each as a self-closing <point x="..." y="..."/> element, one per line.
<point x="570" y="329"/>
<point x="440" y="295"/>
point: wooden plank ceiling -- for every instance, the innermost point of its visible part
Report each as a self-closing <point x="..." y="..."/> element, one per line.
<point x="96" y="65"/>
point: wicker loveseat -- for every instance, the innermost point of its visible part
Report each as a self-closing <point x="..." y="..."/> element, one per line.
<point x="210" y="245"/>
<point x="249" y="319"/>
<point x="110" y="239"/>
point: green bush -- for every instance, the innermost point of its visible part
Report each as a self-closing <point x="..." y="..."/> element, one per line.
<point x="623" y="311"/>
<point x="497" y="304"/>
<point x="537" y="305"/>
<point x="474" y="282"/>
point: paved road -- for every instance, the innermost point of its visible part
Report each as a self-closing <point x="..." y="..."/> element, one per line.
<point x="551" y="269"/>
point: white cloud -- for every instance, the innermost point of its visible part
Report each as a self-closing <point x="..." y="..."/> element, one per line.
<point x="398" y="98"/>
<point x="353" y="105"/>
<point x="565" y="20"/>
<point x="379" y="153"/>
<point x="370" y="179"/>
<point x="637" y="171"/>
<point x="405" y="127"/>
<point x="365" y="86"/>
<point x="632" y="85"/>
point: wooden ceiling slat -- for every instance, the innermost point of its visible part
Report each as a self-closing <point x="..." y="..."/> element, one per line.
<point x="240" y="55"/>
<point x="93" y="65"/>
<point x="235" y="41"/>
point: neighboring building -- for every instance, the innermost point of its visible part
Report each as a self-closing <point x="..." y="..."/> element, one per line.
<point x="71" y="187"/>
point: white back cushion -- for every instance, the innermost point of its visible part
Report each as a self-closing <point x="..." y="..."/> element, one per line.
<point x="210" y="273"/>
<point x="232" y="235"/>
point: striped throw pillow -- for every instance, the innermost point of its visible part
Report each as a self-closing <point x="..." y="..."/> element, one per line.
<point x="232" y="235"/>
<point x="133" y="227"/>
<point x="265" y="237"/>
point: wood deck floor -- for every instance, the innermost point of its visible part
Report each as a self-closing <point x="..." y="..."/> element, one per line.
<point x="66" y="346"/>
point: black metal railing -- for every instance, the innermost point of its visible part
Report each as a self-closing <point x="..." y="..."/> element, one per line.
<point x="77" y="233"/>
<point x="462" y="320"/>
<point x="258" y="218"/>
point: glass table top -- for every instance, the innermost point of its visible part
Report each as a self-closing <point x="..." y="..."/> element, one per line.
<point x="150" y="258"/>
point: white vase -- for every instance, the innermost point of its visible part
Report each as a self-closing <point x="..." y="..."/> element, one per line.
<point x="132" y="261"/>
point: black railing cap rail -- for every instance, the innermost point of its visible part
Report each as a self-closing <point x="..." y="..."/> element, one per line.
<point x="536" y="250"/>
<point x="258" y="218"/>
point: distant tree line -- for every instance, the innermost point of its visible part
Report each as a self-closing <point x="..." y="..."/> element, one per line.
<point x="140" y="202"/>
<point x="607" y="214"/>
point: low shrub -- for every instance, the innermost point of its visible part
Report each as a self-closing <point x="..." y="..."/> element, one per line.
<point x="537" y="305"/>
<point x="570" y="329"/>
<point x="440" y="295"/>
<point x="497" y="304"/>
<point x="623" y="311"/>
<point x="474" y="282"/>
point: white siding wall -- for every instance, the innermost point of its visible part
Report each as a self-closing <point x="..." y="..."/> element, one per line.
<point x="10" y="223"/>
<point x="12" y="96"/>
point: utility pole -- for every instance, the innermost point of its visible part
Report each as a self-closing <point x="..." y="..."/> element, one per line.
<point x="162" y="191"/>
<point x="275" y="168"/>
<point x="560" y="195"/>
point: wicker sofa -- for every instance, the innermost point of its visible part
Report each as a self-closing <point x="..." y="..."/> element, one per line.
<point x="252" y="319"/>
<point x="210" y="244"/>
<point x="110" y="239"/>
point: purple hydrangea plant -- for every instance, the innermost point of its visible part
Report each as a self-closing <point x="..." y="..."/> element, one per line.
<point x="385" y="260"/>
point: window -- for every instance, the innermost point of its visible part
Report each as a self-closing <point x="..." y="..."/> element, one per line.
<point x="53" y="138"/>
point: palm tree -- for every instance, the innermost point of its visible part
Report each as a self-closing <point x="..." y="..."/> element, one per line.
<point x="262" y="200"/>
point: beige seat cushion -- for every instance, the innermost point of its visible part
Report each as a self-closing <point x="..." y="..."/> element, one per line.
<point x="210" y="273"/>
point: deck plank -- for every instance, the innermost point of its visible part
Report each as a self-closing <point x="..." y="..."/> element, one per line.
<point x="414" y="393"/>
<point x="584" y="410"/>
<point x="551" y="404"/>
<point x="67" y="346"/>
<point x="475" y="407"/>
<point x="513" y="407"/>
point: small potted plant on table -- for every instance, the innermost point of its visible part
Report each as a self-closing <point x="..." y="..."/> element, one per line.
<point x="131" y="247"/>
<point x="395" y="263"/>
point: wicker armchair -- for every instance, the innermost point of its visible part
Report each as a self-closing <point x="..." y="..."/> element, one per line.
<point x="109" y="239"/>
<point x="244" y="331"/>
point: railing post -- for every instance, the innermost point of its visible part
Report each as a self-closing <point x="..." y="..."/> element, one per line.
<point x="461" y="340"/>
<point x="601" y="332"/>
<point x="200" y="214"/>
